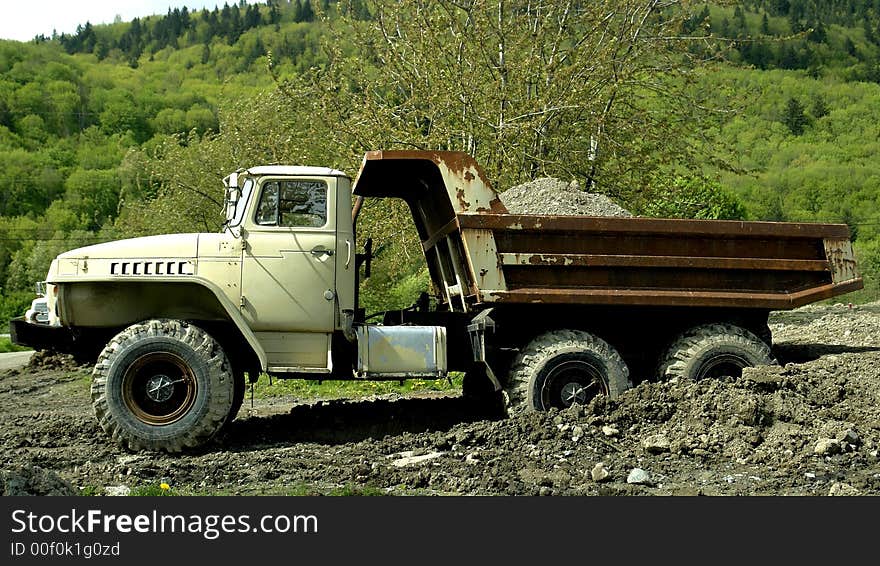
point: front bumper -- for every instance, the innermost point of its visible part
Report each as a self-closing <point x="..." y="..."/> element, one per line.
<point x="41" y="336"/>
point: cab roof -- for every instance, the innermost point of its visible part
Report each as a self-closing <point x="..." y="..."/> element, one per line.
<point x="295" y="170"/>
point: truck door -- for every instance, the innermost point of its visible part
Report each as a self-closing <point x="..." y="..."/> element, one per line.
<point x="289" y="270"/>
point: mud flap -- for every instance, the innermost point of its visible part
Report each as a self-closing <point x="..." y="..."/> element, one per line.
<point x="477" y="330"/>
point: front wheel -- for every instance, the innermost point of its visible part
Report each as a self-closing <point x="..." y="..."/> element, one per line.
<point x="563" y="367"/>
<point x="162" y="385"/>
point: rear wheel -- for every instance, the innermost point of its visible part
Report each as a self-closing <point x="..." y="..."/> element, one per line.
<point x="162" y="385"/>
<point x="714" y="350"/>
<point x="563" y="367"/>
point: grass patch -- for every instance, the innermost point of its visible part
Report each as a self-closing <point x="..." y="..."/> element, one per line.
<point x="304" y="490"/>
<point x="161" y="490"/>
<point x="315" y="389"/>
<point x="6" y="345"/>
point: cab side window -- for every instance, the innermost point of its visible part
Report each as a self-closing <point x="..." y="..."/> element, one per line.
<point x="293" y="204"/>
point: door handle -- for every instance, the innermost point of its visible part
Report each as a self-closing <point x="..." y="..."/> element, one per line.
<point x="347" y="253"/>
<point x="318" y="252"/>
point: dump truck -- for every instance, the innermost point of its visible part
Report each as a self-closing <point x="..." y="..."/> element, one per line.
<point x="540" y="311"/>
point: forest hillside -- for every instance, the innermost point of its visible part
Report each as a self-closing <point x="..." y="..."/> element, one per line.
<point x="762" y="109"/>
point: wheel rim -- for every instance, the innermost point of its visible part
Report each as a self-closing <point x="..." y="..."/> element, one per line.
<point x="159" y="388"/>
<point x="572" y="381"/>
<point x="723" y="365"/>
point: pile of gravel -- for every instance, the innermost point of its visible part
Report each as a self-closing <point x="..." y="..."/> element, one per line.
<point x="549" y="195"/>
<point x="33" y="480"/>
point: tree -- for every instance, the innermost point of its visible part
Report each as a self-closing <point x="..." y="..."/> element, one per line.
<point x="307" y="14"/>
<point x="850" y="47"/>
<point x="591" y="90"/>
<point x="794" y="117"/>
<point x="274" y="14"/>
<point x="694" y="198"/>
<point x="820" y="107"/>
<point x="92" y="195"/>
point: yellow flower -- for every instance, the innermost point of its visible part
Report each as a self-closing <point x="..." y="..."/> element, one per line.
<point x="164" y="486"/>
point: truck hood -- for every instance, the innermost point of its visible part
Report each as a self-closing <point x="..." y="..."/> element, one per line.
<point x="164" y="246"/>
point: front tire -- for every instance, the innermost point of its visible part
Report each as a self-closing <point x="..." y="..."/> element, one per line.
<point x="162" y="385"/>
<point x="563" y="367"/>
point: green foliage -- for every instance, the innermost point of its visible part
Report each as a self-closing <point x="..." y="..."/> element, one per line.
<point x="394" y="287"/>
<point x="794" y="117"/>
<point x="93" y="195"/>
<point x="13" y="304"/>
<point x="6" y="344"/>
<point x="693" y="198"/>
<point x="548" y="97"/>
<point x="127" y="129"/>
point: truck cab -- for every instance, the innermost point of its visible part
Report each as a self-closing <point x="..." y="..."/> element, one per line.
<point x="292" y="227"/>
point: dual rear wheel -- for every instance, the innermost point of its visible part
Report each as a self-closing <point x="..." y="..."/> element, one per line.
<point x="562" y="367"/>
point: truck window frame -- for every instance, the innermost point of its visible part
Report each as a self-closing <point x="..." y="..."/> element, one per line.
<point x="265" y="183"/>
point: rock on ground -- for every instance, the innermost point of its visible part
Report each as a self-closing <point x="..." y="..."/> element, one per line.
<point x="33" y="480"/>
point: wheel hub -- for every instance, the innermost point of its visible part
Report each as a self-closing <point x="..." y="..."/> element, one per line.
<point x="160" y="388"/>
<point x="721" y="365"/>
<point x="575" y="379"/>
<point x="574" y="393"/>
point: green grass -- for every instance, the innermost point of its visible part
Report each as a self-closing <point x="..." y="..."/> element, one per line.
<point x="344" y="491"/>
<point x="6" y="345"/>
<point x="314" y="389"/>
<point x="152" y="491"/>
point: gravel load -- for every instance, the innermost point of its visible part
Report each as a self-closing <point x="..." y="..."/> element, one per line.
<point x="548" y="195"/>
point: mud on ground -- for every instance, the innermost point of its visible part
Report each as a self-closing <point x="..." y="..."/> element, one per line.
<point x="808" y="427"/>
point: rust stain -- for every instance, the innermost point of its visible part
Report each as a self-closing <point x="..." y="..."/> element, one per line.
<point x="462" y="203"/>
<point x="651" y="226"/>
<point x="495" y="207"/>
<point x="468" y="176"/>
<point x="840" y="257"/>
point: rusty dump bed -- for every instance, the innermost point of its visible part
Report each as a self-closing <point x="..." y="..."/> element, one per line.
<point x="479" y="254"/>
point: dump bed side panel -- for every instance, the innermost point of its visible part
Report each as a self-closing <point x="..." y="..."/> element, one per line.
<point x="661" y="262"/>
<point x="478" y="254"/>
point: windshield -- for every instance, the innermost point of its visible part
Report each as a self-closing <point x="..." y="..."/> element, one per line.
<point x="246" y="190"/>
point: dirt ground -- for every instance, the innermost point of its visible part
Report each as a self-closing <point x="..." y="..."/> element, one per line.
<point x="810" y="426"/>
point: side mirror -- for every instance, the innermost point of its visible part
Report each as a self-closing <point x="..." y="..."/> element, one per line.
<point x="232" y="194"/>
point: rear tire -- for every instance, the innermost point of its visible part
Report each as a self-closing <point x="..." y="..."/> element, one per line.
<point x="162" y="385"/>
<point x="713" y="350"/>
<point x="563" y="367"/>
